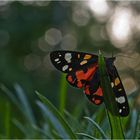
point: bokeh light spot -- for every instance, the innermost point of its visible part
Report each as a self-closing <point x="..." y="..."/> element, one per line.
<point x="69" y="42"/>
<point x="43" y="45"/>
<point x="32" y="62"/>
<point x="120" y="28"/>
<point x="80" y="16"/>
<point x="42" y="3"/>
<point x="129" y="85"/>
<point x="53" y="36"/>
<point x="99" y="7"/>
<point x="4" y="2"/>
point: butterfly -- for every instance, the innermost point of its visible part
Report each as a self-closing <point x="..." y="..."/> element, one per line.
<point x="83" y="72"/>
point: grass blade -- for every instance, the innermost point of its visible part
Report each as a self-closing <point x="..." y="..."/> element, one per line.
<point x="131" y="134"/>
<point x="11" y="95"/>
<point x="21" y="127"/>
<point x="137" y="127"/>
<point x="27" y="111"/>
<point x="62" y="97"/>
<point x="109" y="100"/>
<point x="99" y="118"/>
<point x="42" y="132"/>
<point x="22" y="103"/>
<point x="57" y="115"/>
<point x="55" y="123"/>
<point x="98" y="127"/>
<point x="86" y="135"/>
<point x="7" y="120"/>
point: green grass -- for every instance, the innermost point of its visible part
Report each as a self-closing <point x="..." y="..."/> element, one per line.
<point x="7" y="120"/>
<point x="56" y="118"/>
<point x="53" y="125"/>
<point x="62" y="94"/>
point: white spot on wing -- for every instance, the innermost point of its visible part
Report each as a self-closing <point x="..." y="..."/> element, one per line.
<point x="57" y="59"/>
<point x="58" y="62"/>
<point x="120" y="110"/>
<point x="68" y="57"/>
<point x="120" y="99"/>
<point x="112" y="84"/>
<point x="64" y="67"/>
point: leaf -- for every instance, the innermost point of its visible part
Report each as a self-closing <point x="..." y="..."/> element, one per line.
<point x="136" y="124"/>
<point x="27" y="111"/>
<point x="42" y="132"/>
<point x="22" y="102"/>
<point x="100" y="119"/>
<point x="63" y="89"/>
<point x="21" y="127"/>
<point x="109" y="100"/>
<point x="55" y="114"/>
<point x="98" y="127"/>
<point x="86" y="135"/>
<point x="7" y="120"/>
<point x="54" y="122"/>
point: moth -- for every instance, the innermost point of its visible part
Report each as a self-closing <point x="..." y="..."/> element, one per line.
<point x="83" y="72"/>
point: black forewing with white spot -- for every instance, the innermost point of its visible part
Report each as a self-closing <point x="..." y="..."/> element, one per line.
<point x="119" y="91"/>
<point x="67" y="61"/>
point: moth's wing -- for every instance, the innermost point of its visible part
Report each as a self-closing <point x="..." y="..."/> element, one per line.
<point x="68" y="61"/>
<point x="93" y="90"/>
<point x="119" y="91"/>
<point x="79" y="77"/>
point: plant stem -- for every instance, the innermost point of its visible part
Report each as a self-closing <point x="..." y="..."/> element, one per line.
<point x="62" y="97"/>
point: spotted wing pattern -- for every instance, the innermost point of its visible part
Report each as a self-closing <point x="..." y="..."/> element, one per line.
<point x="82" y="71"/>
<point x="68" y="61"/>
<point x="119" y="91"/>
<point x="78" y="78"/>
<point x="93" y="90"/>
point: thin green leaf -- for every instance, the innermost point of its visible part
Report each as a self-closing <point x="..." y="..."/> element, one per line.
<point x="21" y="127"/>
<point x="109" y="100"/>
<point x="109" y="96"/>
<point x="86" y="135"/>
<point x="27" y="111"/>
<point x="72" y="120"/>
<point x="28" y="130"/>
<point x="134" y="122"/>
<point x="56" y="135"/>
<point x="116" y="126"/>
<point x="63" y="89"/>
<point x="99" y="119"/>
<point x="42" y="131"/>
<point x="98" y="127"/>
<point x="57" y="115"/>
<point x="7" y="120"/>
<point x="49" y="116"/>
<point x="137" y="132"/>
<point x="23" y="104"/>
<point x="11" y="96"/>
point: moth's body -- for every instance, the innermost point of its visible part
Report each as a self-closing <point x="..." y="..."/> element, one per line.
<point x="82" y="72"/>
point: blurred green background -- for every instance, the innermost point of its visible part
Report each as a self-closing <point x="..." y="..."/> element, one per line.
<point x="30" y="30"/>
